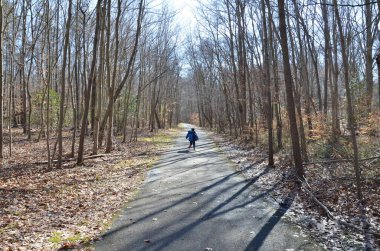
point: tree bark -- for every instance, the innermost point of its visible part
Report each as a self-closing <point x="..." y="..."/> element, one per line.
<point x="96" y="103"/>
<point x="1" y="79"/>
<point x="113" y="81"/>
<point x="63" y="85"/>
<point x="289" y="92"/>
<point x="368" y="54"/>
<point x="352" y="128"/>
<point x="91" y="80"/>
<point x="267" y="87"/>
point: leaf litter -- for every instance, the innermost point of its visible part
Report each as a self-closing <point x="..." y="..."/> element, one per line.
<point x="333" y="184"/>
<point x="68" y="207"/>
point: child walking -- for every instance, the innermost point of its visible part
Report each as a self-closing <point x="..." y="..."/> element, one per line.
<point x="192" y="137"/>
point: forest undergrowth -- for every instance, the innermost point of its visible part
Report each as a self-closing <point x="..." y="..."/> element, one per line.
<point x="69" y="207"/>
<point x="326" y="205"/>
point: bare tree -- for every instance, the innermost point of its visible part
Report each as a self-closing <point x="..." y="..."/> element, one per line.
<point x="113" y="80"/>
<point x="63" y="84"/>
<point x="352" y="127"/>
<point x="90" y="84"/>
<point x="267" y="83"/>
<point x="289" y="92"/>
<point x="1" y="79"/>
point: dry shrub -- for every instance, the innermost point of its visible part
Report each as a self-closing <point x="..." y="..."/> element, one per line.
<point x="194" y="118"/>
<point x="370" y="126"/>
<point x="320" y="129"/>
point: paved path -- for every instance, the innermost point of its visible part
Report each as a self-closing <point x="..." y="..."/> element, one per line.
<point x="198" y="201"/>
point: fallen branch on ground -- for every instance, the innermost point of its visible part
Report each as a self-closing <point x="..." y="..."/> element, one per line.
<point x="328" y="212"/>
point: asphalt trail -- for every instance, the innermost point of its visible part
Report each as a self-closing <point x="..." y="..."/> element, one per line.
<point x="196" y="200"/>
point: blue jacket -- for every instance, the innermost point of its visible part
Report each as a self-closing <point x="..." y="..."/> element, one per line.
<point x="192" y="136"/>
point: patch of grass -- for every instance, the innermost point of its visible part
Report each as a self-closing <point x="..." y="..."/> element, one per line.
<point x="124" y="164"/>
<point x="75" y="238"/>
<point x="160" y="138"/>
<point x="17" y="213"/>
<point x="56" y="238"/>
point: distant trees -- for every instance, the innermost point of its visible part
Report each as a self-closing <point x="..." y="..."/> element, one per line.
<point x="236" y="57"/>
<point x="68" y="65"/>
<point x="304" y="70"/>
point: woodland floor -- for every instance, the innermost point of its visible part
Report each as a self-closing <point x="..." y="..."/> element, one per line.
<point x="332" y="184"/>
<point x="42" y="209"/>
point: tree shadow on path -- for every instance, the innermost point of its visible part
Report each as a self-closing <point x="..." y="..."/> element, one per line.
<point x="260" y="237"/>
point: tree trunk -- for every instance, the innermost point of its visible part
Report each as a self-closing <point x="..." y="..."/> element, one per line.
<point x="352" y="128"/>
<point x="1" y="79"/>
<point x="289" y="92"/>
<point x="63" y="85"/>
<point x="48" y="82"/>
<point x="113" y="82"/>
<point x="326" y="32"/>
<point x="91" y="80"/>
<point x="267" y="87"/>
<point x="378" y="73"/>
<point x="130" y="65"/>
<point x="96" y="103"/>
<point x="334" y="89"/>
<point x="368" y="54"/>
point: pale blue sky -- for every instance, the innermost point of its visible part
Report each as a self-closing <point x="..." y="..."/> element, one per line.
<point x="186" y="9"/>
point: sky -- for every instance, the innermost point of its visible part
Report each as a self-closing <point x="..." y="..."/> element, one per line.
<point x="187" y="22"/>
<point x="186" y="9"/>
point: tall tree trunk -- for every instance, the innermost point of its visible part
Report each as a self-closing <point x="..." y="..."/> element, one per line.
<point x="378" y="73"/>
<point x="22" y="68"/>
<point x="267" y="87"/>
<point x="113" y="81"/>
<point x="368" y="54"/>
<point x="326" y="32"/>
<point x="334" y="88"/>
<point x="1" y="79"/>
<point x="352" y="128"/>
<point x="48" y="82"/>
<point x="91" y="80"/>
<point x="75" y="100"/>
<point x="240" y="12"/>
<point x="378" y="57"/>
<point x="63" y="85"/>
<point x="298" y="88"/>
<point x="277" y="108"/>
<point x="289" y="92"/>
<point x="97" y="88"/>
<point x="232" y="62"/>
<point x="130" y="65"/>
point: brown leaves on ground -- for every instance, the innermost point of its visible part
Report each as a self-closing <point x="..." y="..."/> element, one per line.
<point x="42" y="209"/>
<point x="333" y="184"/>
